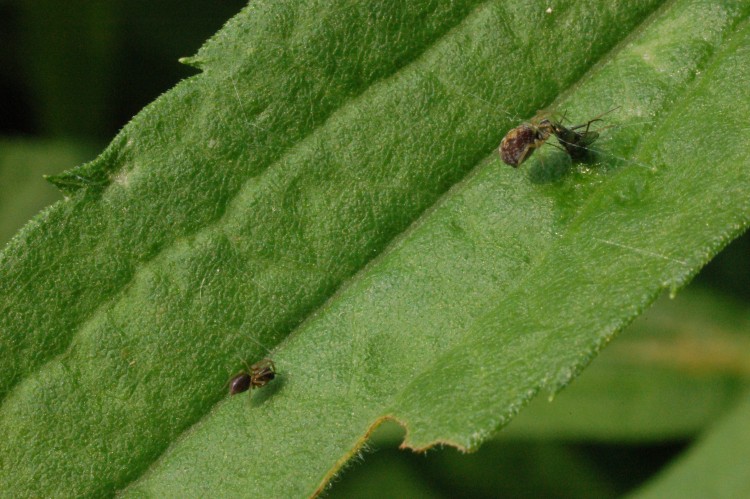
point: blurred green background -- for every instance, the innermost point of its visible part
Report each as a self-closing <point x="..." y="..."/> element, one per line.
<point x="73" y="73"/>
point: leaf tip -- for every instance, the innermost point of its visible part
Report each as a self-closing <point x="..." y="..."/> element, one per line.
<point x="71" y="181"/>
<point x="193" y="62"/>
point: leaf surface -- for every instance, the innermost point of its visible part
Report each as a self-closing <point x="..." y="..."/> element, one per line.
<point x="325" y="187"/>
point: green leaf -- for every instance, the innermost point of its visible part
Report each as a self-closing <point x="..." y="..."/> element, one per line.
<point x="716" y="466"/>
<point x="671" y="374"/>
<point x="332" y="164"/>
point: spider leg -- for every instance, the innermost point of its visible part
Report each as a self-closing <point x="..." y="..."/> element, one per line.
<point x="599" y="117"/>
<point x="587" y="125"/>
<point x="594" y="119"/>
<point x="606" y="128"/>
<point x="265" y="363"/>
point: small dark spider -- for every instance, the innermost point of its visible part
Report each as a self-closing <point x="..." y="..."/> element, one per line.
<point x="256" y="376"/>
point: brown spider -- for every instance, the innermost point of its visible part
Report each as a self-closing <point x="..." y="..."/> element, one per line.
<point x="520" y="142"/>
<point x="255" y="376"/>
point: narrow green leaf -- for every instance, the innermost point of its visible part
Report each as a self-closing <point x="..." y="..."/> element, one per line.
<point x="715" y="467"/>
<point x="672" y="373"/>
<point x="386" y="475"/>
<point x="318" y="132"/>
<point x="499" y="469"/>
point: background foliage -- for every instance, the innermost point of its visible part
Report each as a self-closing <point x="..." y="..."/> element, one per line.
<point x="69" y="81"/>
